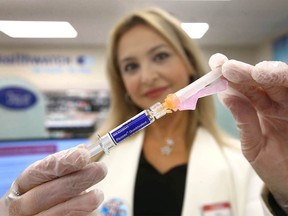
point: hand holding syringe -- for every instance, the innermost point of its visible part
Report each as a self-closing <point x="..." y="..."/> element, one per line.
<point x="184" y="99"/>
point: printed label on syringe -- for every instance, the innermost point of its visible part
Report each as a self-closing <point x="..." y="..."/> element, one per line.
<point x="132" y="126"/>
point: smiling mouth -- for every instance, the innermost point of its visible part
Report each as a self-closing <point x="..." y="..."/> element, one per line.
<point x="154" y="93"/>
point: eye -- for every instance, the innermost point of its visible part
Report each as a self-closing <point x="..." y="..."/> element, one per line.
<point x="130" y="67"/>
<point x="161" y="56"/>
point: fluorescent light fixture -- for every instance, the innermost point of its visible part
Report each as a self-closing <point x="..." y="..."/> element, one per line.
<point x="195" y="30"/>
<point x="38" y="29"/>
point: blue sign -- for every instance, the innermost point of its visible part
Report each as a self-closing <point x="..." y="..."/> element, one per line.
<point x="17" y="98"/>
<point x="280" y="49"/>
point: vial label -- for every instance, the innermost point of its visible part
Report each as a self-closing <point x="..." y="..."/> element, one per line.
<point x="130" y="127"/>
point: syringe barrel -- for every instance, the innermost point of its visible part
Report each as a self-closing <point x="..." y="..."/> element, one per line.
<point x="103" y="143"/>
<point x="127" y="129"/>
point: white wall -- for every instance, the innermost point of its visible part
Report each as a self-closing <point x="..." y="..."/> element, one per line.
<point x="248" y="54"/>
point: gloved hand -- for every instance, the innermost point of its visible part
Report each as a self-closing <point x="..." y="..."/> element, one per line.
<point x="258" y="99"/>
<point x="56" y="186"/>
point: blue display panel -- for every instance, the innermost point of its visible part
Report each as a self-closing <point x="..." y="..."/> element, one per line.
<point x="15" y="156"/>
<point x="280" y="49"/>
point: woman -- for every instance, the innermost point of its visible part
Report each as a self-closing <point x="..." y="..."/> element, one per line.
<point x="181" y="164"/>
<point x="150" y="57"/>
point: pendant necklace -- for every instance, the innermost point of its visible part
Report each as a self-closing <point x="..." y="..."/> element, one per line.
<point x="169" y="142"/>
<point x="168" y="146"/>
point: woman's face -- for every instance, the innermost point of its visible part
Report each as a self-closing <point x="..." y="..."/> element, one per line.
<point x="150" y="68"/>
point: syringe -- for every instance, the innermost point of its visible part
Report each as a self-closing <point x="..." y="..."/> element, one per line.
<point x="186" y="98"/>
<point x="128" y="128"/>
<point x="146" y="117"/>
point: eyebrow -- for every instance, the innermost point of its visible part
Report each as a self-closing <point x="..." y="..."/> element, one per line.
<point x="156" y="48"/>
<point x="153" y="49"/>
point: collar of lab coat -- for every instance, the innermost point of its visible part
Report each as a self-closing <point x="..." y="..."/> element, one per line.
<point x="208" y="180"/>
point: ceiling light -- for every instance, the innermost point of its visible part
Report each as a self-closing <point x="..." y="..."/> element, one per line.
<point x="38" y="29"/>
<point x="195" y="30"/>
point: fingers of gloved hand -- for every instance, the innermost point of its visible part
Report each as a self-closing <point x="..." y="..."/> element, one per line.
<point x="51" y="167"/>
<point x="271" y="73"/>
<point x="256" y="96"/>
<point x="270" y="78"/>
<point x="81" y="205"/>
<point x="51" y="193"/>
<point x="217" y="60"/>
<point x="240" y="76"/>
<point x="238" y="72"/>
<point x="273" y="78"/>
<point x="247" y="122"/>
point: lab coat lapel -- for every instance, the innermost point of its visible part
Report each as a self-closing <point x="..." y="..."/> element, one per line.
<point x="123" y="164"/>
<point x="208" y="178"/>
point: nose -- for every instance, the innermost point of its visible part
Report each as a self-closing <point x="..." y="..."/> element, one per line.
<point x="149" y="74"/>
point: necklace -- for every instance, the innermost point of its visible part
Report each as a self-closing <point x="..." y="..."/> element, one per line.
<point x="169" y="143"/>
<point x="168" y="146"/>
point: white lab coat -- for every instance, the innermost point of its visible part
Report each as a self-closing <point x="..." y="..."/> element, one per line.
<point x="214" y="175"/>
